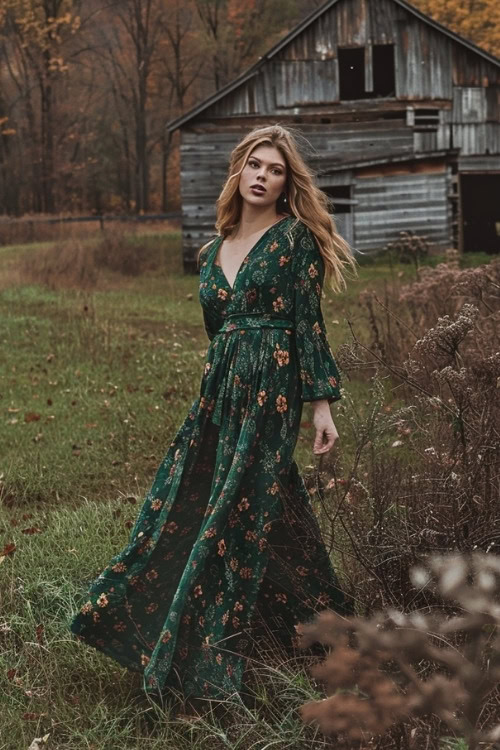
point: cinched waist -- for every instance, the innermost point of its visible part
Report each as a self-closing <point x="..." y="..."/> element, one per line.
<point x="237" y="321"/>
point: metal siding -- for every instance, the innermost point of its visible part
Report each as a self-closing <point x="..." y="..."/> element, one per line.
<point x="469" y="104"/>
<point x="352" y="22"/>
<point x="477" y="138"/>
<point x="388" y="205"/>
<point x="305" y="82"/>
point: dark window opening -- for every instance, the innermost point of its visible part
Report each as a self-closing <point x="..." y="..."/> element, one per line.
<point x="339" y="198"/>
<point x="427" y="117"/>
<point x="352" y="73"/>
<point x="384" y="80"/>
<point x="352" y="80"/>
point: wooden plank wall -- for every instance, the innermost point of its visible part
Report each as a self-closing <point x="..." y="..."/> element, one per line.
<point x="389" y="204"/>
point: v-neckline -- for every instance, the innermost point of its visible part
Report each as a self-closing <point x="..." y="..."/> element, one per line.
<point x="219" y="241"/>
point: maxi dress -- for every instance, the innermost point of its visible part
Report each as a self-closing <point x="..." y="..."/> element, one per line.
<point x="227" y="537"/>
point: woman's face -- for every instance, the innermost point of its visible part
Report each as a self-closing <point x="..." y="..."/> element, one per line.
<point x="263" y="177"/>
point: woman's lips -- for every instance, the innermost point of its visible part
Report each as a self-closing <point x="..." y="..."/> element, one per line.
<point x="257" y="189"/>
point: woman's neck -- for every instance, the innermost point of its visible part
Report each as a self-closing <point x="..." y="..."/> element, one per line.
<point x="254" y="220"/>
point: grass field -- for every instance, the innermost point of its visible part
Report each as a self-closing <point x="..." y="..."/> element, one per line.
<point x="93" y="386"/>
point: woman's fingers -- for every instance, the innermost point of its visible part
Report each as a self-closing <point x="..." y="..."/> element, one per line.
<point x="324" y="440"/>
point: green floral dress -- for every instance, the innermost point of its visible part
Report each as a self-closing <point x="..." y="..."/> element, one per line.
<point x="226" y="545"/>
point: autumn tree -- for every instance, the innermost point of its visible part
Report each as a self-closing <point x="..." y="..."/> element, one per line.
<point x="477" y="20"/>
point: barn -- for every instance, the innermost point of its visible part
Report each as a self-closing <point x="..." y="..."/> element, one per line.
<point x="402" y="116"/>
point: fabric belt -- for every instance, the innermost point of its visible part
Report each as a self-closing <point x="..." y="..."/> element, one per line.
<point x="237" y="321"/>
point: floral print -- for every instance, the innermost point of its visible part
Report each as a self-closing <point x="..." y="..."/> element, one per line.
<point x="226" y="540"/>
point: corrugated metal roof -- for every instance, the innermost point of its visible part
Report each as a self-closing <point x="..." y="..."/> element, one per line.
<point x="308" y="21"/>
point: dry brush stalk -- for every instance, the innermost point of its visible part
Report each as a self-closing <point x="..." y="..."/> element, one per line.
<point x="374" y="673"/>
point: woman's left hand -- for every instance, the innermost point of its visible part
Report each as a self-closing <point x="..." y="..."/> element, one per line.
<point x="326" y="432"/>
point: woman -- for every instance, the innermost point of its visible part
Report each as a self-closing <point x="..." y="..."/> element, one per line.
<point x="226" y="541"/>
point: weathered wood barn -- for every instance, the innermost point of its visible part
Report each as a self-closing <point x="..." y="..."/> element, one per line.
<point x="402" y="114"/>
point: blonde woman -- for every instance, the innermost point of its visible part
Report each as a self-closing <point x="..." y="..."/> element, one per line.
<point x="226" y="546"/>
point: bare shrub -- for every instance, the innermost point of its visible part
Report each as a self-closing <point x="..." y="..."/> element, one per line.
<point x="65" y="265"/>
<point x="373" y="672"/>
<point x="75" y="264"/>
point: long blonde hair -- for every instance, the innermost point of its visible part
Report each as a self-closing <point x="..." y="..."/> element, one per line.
<point x="305" y="200"/>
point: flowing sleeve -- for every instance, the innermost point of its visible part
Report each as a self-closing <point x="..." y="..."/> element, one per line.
<point x="318" y="370"/>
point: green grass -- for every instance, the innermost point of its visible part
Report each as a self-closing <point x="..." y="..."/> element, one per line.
<point x="93" y="386"/>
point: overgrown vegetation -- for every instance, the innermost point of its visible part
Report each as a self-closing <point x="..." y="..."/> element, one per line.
<point x="94" y="383"/>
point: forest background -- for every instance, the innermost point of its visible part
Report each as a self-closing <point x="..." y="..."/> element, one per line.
<point x="88" y="86"/>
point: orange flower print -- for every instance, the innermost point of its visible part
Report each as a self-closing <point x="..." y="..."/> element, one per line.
<point x="281" y="598"/>
<point x="236" y="622"/>
<point x="145" y="660"/>
<point x="218" y="659"/>
<point x="273" y="247"/>
<point x="229" y="670"/>
<point x="96" y="616"/>
<point x="244" y="504"/>
<point x="221" y="548"/>
<point x="152" y="574"/>
<point x="261" y="398"/>
<point x="186" y="619"/>
<point x="251" y="536"/>
<point x="246" y="572"/>
<point x="201" y="621"/>
<point x="212" y="531"/>
<point x="183" y="652"/>
<point x="262" y="544"/>
<point x="151" y="608"/>
<point x="225" y="617"/>
<point x="233" y="563"/>
<point x="120" y="627"/>
<point x="281" y="404"/>
<point x="222" y="294"/>
<point x="332" y="381"/>
<point x="317" y="328"/>
<point x="312" y="271"/>
<point x="278" y="304"/>
<point x="238" y="607"/>
<point x="284" y="260"/>
<point x="86" y="608"/>
<point x="119" y="567"/>
<point x="281" y="356"/>
<point x="301" y="570"/>
<point x="167" y="635"/>
<point x="172" y="527"/>
<point x="219" y="598"/>
<point x="156" y="504"/>
<point x="103" y="600"/>
<point x="198" y="591"/>
<point x="273" y="489"/>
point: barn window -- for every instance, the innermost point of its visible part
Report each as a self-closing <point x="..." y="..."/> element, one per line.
<point x="354" y="65"/>
<point x="339" y="197"/>
<point x="352" y="73"/>
<point x="384" y="81"/>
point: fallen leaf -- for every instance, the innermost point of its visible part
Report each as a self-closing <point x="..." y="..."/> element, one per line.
<point x="39" y="741"/>
<point x="32" y="530"/>
<point x="40" y="630"/>
<point x="9" y="549"/>
<point x="32" y="416"/>
<point x="13" y="410"/>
